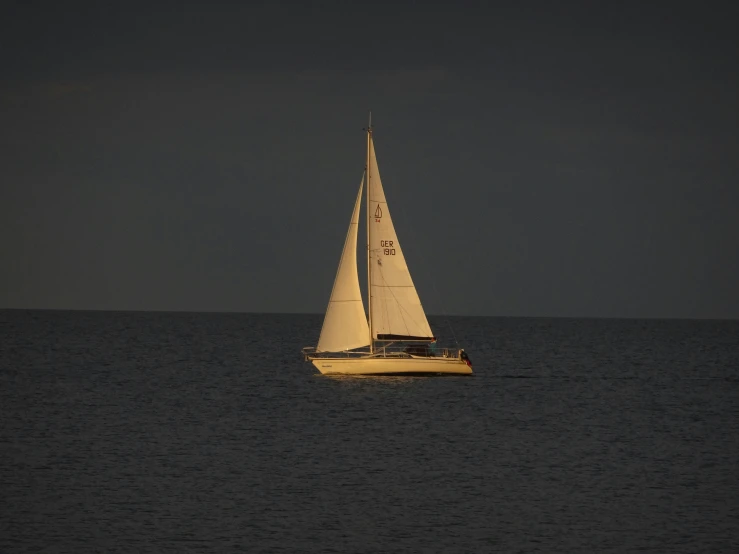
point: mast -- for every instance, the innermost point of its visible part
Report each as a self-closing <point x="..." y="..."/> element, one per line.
<point x="369" y="269"/>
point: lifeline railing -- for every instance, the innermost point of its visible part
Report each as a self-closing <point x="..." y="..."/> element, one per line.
<point x="388" y="351"/>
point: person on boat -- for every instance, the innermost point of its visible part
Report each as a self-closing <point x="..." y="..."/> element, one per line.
<point x="432" y="346"/>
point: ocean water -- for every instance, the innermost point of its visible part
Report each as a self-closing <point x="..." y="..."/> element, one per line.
<point x="192" y="432"/>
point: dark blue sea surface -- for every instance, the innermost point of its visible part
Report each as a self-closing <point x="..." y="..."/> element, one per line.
<point x="195" y="432"/>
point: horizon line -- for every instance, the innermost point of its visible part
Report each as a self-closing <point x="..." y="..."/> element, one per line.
<point x="499" y="316"/>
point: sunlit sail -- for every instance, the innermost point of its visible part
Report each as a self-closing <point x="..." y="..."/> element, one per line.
<point x="395" y="336"/>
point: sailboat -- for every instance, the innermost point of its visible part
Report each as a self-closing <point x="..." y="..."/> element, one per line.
<point x="394" y="338"/>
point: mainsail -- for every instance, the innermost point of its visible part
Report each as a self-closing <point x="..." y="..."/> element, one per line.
<point x="396" y="310"/>
<point x="345" y="325"/>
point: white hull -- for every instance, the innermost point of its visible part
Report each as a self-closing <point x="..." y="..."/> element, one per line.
<point x="390" y="366"/>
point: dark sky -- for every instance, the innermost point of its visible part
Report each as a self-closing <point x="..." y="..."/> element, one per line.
<point x="539" y="160"/>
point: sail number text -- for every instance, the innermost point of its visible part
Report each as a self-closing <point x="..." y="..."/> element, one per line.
<point x="387" y="247"/>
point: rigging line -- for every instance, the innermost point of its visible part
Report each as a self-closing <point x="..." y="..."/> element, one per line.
<point x="431" y="274"/>
<point x="400" y="307"/>
<point x="385" y="307"/>
<point x="402" y="310"/>
<point x="397" y="303"/>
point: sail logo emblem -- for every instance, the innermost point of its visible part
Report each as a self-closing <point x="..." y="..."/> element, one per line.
<point x="378" y="214"/>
